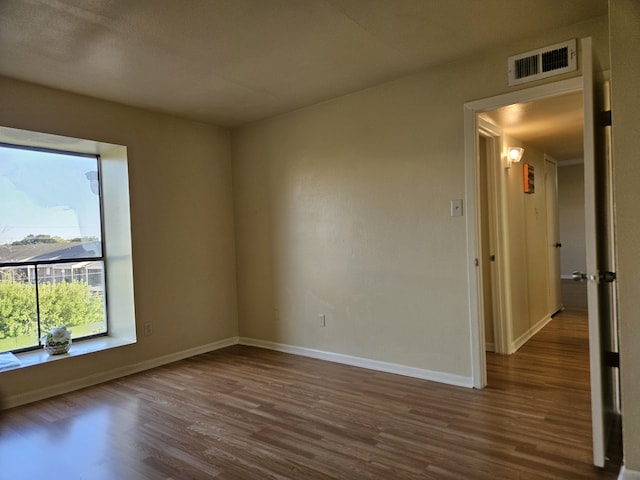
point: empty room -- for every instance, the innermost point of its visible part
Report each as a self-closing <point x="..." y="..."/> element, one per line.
<point x="247" y="239"/>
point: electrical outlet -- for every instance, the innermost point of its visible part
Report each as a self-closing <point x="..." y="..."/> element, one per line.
<point x="323" y="320"/>
<point x="148" y="328"/>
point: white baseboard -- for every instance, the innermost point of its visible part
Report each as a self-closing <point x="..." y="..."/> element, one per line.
<point x="447" y="378"/>
<point x="628" y="474"/>
<point x="76" y="384"/>
<point x="526" y="336"/>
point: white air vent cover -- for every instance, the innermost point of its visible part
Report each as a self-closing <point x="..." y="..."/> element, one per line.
<point x="543" y="63"/>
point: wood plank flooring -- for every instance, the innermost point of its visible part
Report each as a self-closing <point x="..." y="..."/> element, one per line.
<point x="243" y="413"/>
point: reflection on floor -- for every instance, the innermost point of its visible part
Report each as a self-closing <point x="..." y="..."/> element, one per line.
<point x="550" y="374"/>
<point x="244" y="413"/>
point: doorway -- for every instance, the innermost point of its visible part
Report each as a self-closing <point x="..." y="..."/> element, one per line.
<point x="518" y="214"/>
<point x="510" y="253"/>
<point x="596" y="233"/>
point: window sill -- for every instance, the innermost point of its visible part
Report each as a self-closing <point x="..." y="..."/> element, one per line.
<point x="39" y="357"/>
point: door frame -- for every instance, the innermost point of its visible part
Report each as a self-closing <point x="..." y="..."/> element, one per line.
<point x="552" y="248"/>
<point x="584" y="84"/>
<point x="471" y="131"/>
<point x="499" y="245"/>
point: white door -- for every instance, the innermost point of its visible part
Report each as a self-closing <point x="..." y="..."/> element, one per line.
<point x="553" y="235"/>
<point x="598" y="231"/>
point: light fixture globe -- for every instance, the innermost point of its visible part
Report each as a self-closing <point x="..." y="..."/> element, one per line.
<point x="514" y="154"/>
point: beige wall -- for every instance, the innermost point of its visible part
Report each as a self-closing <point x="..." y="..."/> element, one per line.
<point x="537" y="261"/>
<point x="343" y="209"/>
<point x="526" y="252"/>
<point x="625" y="79"/>
<point x="338" y="211"/>
<point x="182" y="225"/>
<point x="571" y="205"/>
<point x="527" y="240"/>
<point x="526" y="296"/>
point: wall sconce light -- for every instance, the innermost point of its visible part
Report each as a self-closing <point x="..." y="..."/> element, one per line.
<point x="514" y="154"/>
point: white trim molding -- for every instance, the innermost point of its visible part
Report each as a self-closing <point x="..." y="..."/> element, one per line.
<point x="628" y="474"/>
<point x="529" y="334"/>
<point x="76" y="384"/>
<point x="448" y="378"/>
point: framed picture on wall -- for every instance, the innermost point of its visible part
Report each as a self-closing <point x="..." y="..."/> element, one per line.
<point x="528" y="178"/>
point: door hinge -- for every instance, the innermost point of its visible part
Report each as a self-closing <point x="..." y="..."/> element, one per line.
<point x="612" y="359"/>
<point x="607" y="276"/>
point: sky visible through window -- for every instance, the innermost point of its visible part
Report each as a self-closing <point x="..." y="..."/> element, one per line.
<point x="46" y="193"/>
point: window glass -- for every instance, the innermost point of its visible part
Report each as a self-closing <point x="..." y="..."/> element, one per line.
<point x="49" y="205"/>
<point x="18" y="310"/>
<point x="51" y="251"/>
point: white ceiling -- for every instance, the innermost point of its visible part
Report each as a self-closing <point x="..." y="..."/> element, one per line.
<point x="229" y="62"/>
<point x="553" y="125"/>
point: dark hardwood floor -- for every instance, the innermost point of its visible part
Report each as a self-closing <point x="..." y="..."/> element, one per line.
<point x="245" y="413"/>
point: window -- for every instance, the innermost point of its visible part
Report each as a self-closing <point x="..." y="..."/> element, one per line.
<point x="52" y="260"/>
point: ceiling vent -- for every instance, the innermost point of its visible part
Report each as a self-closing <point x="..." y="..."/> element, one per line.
<point x="543" y="63"/>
